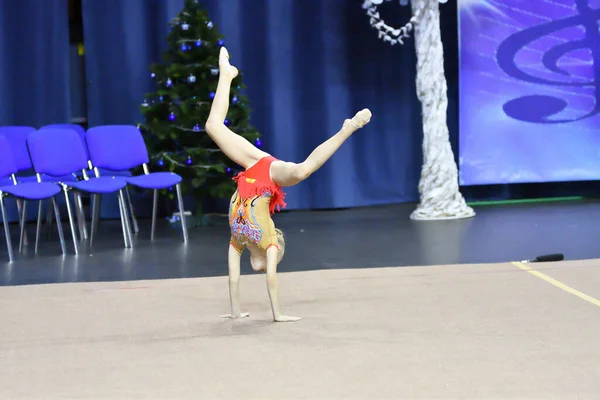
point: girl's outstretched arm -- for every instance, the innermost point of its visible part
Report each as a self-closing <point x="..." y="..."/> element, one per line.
<point x="273" y="287"/>
<point x="234" y="257"/>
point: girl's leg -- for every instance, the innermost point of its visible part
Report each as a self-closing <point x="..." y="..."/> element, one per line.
<point x="238" y="149"/>
<point x="234" y="257"/>
<point x="273" y="287"/>
<point x="289" y="174"/>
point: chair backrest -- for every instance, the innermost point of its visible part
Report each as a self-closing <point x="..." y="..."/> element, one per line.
<point x="80" y="130"/>
<point x="16" y="136"/>
<point x="7" y="161"/>
<point x="116" y="147"/>
<point x="56" y="152"/>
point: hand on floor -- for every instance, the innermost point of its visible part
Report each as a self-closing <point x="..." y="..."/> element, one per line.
<point x="232" y="316"/>
<point x="284" y="318"/>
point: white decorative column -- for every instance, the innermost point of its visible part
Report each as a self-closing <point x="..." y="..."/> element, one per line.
<point x="438" y="187"/>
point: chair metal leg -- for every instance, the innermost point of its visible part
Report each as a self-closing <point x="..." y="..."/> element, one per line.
<point x="73" y="233"/>
<point x="49" y="220"/>
<point x="125" y="219"/>
<point x="78" y="216"/>
<point x="22" y="220"/>
<point x="11" y="257"/>
<point x="38" y="227"/>
<point x="83" y="233"/>
<point x="182" y="213"/>
<point x="133" y="218"/>
<point x="154" y="207"/>
<point x="61" y="236"/>
<point x="123" y="226"/>
<point x="95" y="216"/>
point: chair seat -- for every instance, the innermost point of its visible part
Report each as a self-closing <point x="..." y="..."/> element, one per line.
<point x="155" y="180"/>
<point x="102" y="185"/>
<point x="32" y="190"/>
<point x="107" y="172"/>
<point x="47" y="178"/>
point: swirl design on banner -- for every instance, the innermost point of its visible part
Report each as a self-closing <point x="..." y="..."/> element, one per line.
<point x="538" y="108"/>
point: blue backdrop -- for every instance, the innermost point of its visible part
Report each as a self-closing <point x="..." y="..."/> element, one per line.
<point x="34" y="72"/>
<point x="308" y="65"/>
<point x="531" y="70"/>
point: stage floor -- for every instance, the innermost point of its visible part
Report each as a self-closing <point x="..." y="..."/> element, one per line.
<point x="490" y="331"/>
<point x="461" y="322"/>
<point x="321" y="240"/>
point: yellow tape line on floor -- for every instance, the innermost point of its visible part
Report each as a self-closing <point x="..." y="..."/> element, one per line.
<point x="557" y="283"/>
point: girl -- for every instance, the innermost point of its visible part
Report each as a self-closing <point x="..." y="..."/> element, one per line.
<point x="259" y="191"/>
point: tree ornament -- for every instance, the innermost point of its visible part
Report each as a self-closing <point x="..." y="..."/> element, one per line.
<point x="160" y="162"/>
<point x="191" y="78"/>
<point x="221" y="43"/>
<point x="172" y="117"/>
<point x="212" y="95"/>
<point x="189" y="160"/>
<point x="258" y="142"/>
<point x="198" y="43"/>
<point x="214" y="71"/>
<point x="209" y="24"/>
<point x="185" y="26"/>
<point x="153" y="75"/>
<point x="196" y="128"/>
<point x="234" y="100"/>
<point x="169" y="82"/>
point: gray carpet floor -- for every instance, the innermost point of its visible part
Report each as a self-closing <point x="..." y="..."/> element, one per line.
<point x="446" y="332"/>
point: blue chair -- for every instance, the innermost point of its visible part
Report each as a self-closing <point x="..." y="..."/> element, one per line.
<point x="24" y="191"/>
<point x="58" y="152"/>
<point x="122" y="147"/>
<point x="79" y="204"/>
<point x="17" y="140"/>
<point x="77" y="128"/>
<point x="81" y="131"/>
<point x="15" y="136"/>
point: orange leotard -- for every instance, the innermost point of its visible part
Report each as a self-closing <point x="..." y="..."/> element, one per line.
<point x="255" y="199"/>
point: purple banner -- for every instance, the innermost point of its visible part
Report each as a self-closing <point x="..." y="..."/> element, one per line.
<point x="529" y="91"/>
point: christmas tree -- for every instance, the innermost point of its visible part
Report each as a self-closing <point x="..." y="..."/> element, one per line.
<point x="176" y="112"/>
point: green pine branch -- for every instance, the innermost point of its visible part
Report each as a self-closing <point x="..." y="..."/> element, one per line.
<point x="175" y="113"/>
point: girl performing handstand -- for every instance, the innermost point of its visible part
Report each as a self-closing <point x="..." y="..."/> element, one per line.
<point x="259" y="191"/>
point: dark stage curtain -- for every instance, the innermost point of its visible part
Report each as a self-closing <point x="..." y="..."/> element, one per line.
<point x="34" y="72"/>
<point x="308" y="65"/>
<point x="122" y="38"/>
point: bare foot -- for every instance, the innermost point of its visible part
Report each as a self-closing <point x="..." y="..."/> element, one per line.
<point x="225" y="68"/>
<point x="361" y="118"/>
<point x="242" y="315"/>
<point x="284" y="318"/>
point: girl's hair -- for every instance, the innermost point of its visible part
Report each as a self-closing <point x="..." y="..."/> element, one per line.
<point x="281" y="244"/>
